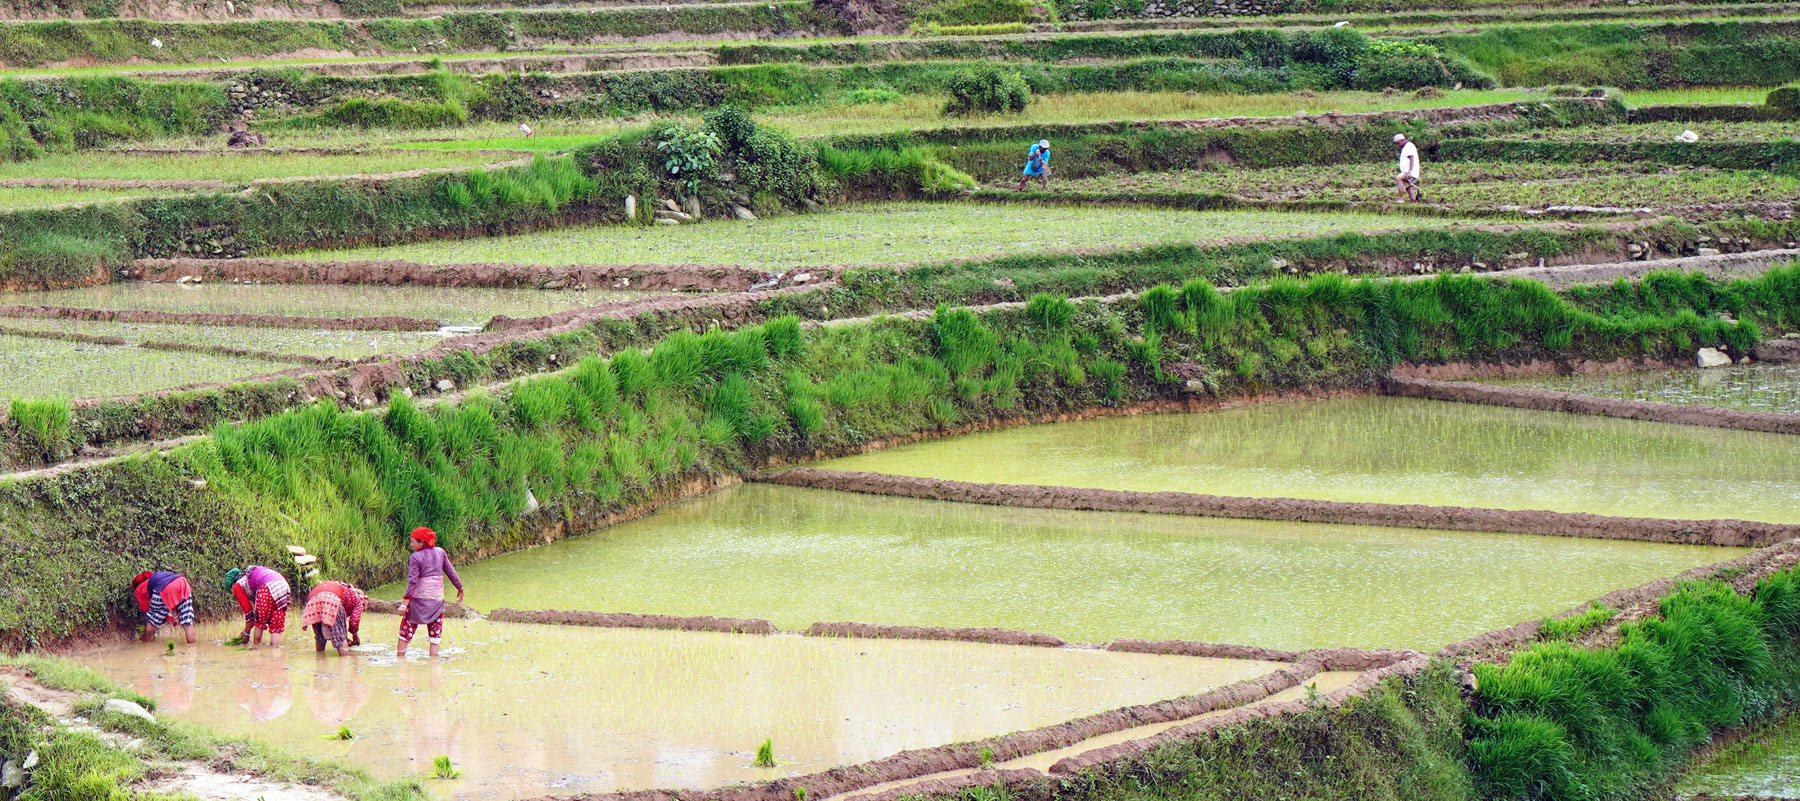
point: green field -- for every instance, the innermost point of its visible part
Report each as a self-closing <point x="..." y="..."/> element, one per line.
<point x="877" y="234"/>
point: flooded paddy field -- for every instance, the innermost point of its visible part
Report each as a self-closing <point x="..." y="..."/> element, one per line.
<point x="46" y="368"/>
<point x="27" y="197"/>
<point x="449" y="305"/>
<point x="301" y="341"/>
<point x="878" y="233"/>
<point x="794" y="556"/>
<point x="1766" y="765"/>
<point x="527" y="710"/>
<point x="237" y="167"/>
<point x="1388" y="450"/>
<point x="1752" y="387"/>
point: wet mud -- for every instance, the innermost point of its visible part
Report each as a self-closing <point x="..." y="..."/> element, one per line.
<point x="991" y="636"/>
<point x="1551" y="400"/>
<point x="1456" y="518"/>
<point x="627" y="620"/>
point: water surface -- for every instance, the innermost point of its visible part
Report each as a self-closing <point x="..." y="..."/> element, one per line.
<point x="1389" y="450"/>
<point x="1767" y="766"/>
<point x="525" y="711"/>
<point x="795" y="556"/>
<point x="1751" y="387"/>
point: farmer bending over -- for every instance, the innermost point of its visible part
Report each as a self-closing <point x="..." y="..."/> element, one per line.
<point x="1408" y="179"/>
<point x="264" y="596"/>
<point x="334" y="611"/>
<point x="160" y="596"/>
<point x="1037" y="165"/>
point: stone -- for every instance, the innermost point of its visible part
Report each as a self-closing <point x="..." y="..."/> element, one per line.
<point x="801" y="278"/>
<point x="671" y="205"/>
<point x="1711" y="357"/>
<point x="631" y="207"/>
<point x="531" y="501"/>
<point x="1744" y="360"/>
<point x="665" y="214"/>
<point x="444" y="385"/>
<point x="124" y="707"/>
<point x="742" y="213"/>
<point x="12" y="776"/>
<point x="197" y="483"/>
<point x="1194" y="386"/>
<point x="667" y="221"/>
<point x="693" y="207"/>
<point x="1708" y="251"/>
<point x="1278" y="263"/>
<point x="1480" y="267"/>
<point x="31" y="761"/>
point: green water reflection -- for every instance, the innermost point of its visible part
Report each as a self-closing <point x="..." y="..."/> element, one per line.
<point x="1752" y="388"/>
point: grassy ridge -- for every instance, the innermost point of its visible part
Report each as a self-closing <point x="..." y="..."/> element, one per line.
<point x="610" y="433"/>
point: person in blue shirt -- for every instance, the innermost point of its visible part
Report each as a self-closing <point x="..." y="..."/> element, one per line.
<point x="1037" y="165"/>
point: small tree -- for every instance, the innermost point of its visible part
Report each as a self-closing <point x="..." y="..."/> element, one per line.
<point x="987" y="88"/>
<point x="689" y="156"/>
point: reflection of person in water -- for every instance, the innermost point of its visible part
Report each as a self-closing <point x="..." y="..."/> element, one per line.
<point x="428" y="715"/>
<point x="337" y="696"/>
<point x="265" y="693"/>
<point x="170" y="680"/>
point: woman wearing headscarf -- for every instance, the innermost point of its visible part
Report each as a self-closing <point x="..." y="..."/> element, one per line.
<point x="163" y="595"/>
<point x="264" y="596"/>
<point x="334" y="612"/>
<point x="423" y="605"/>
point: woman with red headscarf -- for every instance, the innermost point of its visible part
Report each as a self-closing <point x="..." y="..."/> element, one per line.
<point x="162" y="596"/>
<point x="424" y="601"/>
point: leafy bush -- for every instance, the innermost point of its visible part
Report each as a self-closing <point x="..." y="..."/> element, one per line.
<point x="979" y="12"/>
<point x="1400" y="65"/>
<point x="689" y="156"/>
<point x="987" y="88"/>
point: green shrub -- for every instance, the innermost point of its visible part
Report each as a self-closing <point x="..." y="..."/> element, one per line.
<point x="880" y="94"/>
<point x="689" y="156"/>
<point x="985" y="88"/>
<point x="1786" y="98"/>
<point x="42" y="428"/>
<point x="1390" y="64"/>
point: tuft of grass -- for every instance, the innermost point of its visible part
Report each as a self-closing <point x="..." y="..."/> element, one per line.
<point x="343" y="733"/>
<point x="170" y="650"/>
<point x="987" y="758"/>
<point x="765" y="754"/>
<point x="1568" y="628"/>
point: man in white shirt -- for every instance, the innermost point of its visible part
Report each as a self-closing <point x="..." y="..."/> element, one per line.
<point x="1408" y="179"/>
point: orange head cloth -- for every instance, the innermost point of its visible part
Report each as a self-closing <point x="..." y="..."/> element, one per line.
<point x="426" y="536"/>
<point x="141" y="578"/>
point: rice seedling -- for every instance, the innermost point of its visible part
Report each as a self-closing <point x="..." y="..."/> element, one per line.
<point x="342" y="733"/>
<point x="986" y="758"/>
<point x="765" y="754"/>
<point x="170" y="650"/>
<point x="442" y="769"/>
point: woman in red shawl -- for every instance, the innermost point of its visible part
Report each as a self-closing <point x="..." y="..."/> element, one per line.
<point x="163" y="596"/>
<point x="424" y="601"/>
<point x="334" y="611"/>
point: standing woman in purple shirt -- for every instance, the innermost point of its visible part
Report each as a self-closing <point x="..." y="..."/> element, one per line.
<point x="424" y="601"/>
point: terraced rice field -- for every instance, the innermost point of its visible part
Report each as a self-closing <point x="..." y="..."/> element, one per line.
<point x="1086" y="576"/>
<point x="875" y="234"/>
<point x="1470" y="184"/>
<point x="1759" y="388"/>
<point x="664" y="709"/>
<point x="236" y="167"/>
<point x="43" y="368"/>
<point x="1388" y="450"/>
<point x="462" y="306"/>
<point x="307" y="342"/>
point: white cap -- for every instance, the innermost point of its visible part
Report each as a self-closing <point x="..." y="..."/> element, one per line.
<point x="1398" y="138"/>
<point x="1043" y="143"/>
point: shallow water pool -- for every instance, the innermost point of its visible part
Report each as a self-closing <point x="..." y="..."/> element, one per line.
<point x="1389" y="450"/>
<point x="1766" y="766"/>
<point x="795" y="556"/>
<point x="526" y="711"/>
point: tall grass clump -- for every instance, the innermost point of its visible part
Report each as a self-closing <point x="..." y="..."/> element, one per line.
<point x="42" y="429"/>
<point x="1565" y="722"/>
<point x="765" y="754"/>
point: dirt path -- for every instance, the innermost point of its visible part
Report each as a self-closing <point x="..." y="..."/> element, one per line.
<point x="194" y="778"/>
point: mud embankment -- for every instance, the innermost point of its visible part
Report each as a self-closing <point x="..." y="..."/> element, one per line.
<point x="1299" y="510"/>
<point x="384" y="323"/>
<point x="1554" y="401"/>
<point x="627" y="620"/>
<point x="989" y="636"/>
<point x="646" y="277"/>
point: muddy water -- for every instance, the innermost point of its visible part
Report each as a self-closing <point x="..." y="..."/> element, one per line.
<point x="1767" y="767"/>
<point x="451" y="306"/>
<point x="1752" y="388"/>
<point x="795" y="556"/>
<point x="1389" y="450"/>
<point x="528" y="710"/>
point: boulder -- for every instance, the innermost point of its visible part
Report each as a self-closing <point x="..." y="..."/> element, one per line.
<point x="667" y="221"/>
<point x="1708" y="251"/>
<point x="12" y="777"/>
<point x="125" y="707"/>
<point x="631" y="207"/>
<point x="742" y="213"/>
<point x="444" y="385"/>
<point x="1711" y="357"/>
